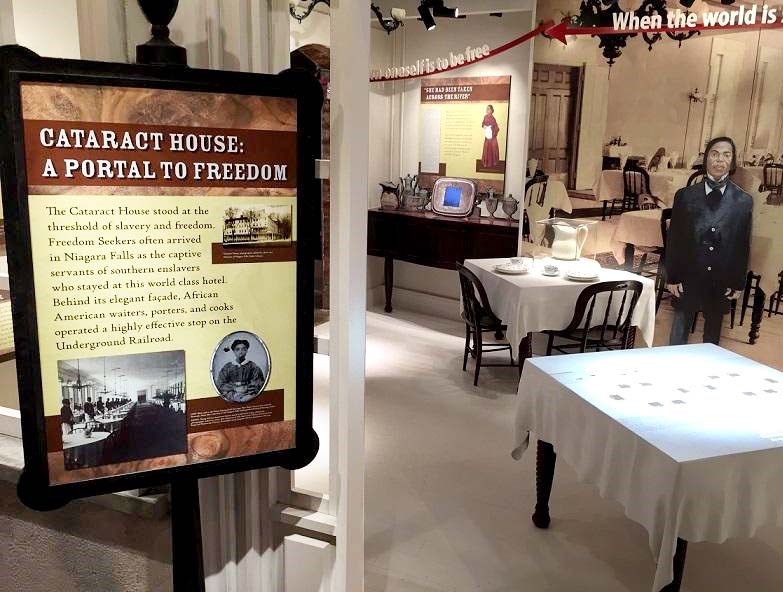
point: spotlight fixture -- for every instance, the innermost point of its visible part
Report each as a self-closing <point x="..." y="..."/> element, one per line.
<point x="426" y="17"/>
<point x="439" y="9"/>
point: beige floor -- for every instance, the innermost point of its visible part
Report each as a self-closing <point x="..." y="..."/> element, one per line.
<point x="449" y="510"/>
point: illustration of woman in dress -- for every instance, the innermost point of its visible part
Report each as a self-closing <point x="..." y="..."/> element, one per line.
<point x="490" y="158"/>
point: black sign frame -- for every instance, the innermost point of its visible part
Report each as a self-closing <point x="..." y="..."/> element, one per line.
<point x="19" y="65"/>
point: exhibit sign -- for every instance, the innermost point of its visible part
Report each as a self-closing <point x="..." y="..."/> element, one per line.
<point x="463" y="131"/>
<point x="161" y="253"/>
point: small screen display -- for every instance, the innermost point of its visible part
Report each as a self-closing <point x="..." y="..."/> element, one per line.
<point x="452" y="197"/>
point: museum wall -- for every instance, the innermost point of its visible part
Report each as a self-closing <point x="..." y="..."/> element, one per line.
<point x="645" y="84"/>
<point x="314" y="29"/>
<point x="423" y="288"/>
<point x="27" y="19"/>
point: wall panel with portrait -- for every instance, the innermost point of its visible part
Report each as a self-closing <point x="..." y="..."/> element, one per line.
<point x="464" y="130"/>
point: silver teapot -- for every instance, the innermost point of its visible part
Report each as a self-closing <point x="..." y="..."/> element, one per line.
<point x="509" y="205"/>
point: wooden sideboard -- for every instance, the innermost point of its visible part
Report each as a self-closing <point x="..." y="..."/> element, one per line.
<point x="435" y="241"/>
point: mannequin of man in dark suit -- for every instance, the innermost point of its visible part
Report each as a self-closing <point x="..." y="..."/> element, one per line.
<point x="708" y="245"/>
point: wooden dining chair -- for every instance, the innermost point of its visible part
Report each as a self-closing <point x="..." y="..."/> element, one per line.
<point x="599" y="326"/>
<point x="660" y="276"/>
<point x="479" y="319"/>
<point x="697" y="177"/>
<point x="636" y="181"/>
<point x="775" y="299"/>
<point x="773" y="182"/>
<point x="535" y="192"/>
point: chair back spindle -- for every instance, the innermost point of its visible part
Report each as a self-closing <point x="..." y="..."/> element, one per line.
<point x="627" y="292"/>
<point x="636" y="181"/>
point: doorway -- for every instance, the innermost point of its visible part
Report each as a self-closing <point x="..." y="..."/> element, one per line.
<point x="553" y="120"/>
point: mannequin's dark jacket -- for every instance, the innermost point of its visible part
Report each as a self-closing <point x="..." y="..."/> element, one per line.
<point x="708" y="246"/>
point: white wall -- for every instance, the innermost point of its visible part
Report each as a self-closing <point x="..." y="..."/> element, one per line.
<point x="314" y="29"/>
<point x="48" y="27"/>
<point x="398" y="154"/>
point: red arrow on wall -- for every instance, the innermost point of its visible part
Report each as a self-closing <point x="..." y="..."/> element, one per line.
<point x="560" y="30"/>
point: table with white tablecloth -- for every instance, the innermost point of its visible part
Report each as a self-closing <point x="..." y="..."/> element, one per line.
<point x="636" y="228"/>
<point x="689" y="439"/>
<point x="663" y="185"/>
<point x="533" y="302"/>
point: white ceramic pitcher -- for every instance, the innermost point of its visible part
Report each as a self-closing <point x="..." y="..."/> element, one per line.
<point x="568" y="241"/>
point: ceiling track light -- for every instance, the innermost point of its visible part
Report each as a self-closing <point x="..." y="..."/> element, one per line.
<point x="440" y="9"/>
<point x="428" y="9"/>
<point x="426" y="17"/>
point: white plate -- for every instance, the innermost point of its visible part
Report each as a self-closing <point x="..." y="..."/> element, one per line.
<point x="508" y="269"/>
<point x="582" y="277"/>
<point x="555" y="274"/>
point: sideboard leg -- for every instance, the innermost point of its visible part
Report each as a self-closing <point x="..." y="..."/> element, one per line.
<point x="678" y="566"/>
<point x="545" y="474"/>
<point x="388" y="281"/>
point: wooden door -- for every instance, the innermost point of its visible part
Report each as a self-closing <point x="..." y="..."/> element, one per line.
<point x="553" y="120"/>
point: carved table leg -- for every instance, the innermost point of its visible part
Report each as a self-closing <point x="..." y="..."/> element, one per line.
<point x="388" y="281"/>
<point x="630" y="252"/>
<point x="545" y="474"/>
<point x="678" y="565"/>
<point x="631" y="343"/>
<point x="525" y="350"/>
<point x="759" y="299"/>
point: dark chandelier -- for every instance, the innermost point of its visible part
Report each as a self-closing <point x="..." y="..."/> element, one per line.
<point x="600" y="13"/>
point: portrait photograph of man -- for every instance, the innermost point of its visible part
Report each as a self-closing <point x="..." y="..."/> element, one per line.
<point x="240" y="367"/>
<point x="708" y="245"/>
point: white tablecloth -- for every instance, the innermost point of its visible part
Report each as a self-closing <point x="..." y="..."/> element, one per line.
<point x="621" y="152"/>
<point x="641" y="228"/>
<point x="533" y="302"/>
<point x="556" y="196"/>
<point x="695" y="451"/>
<point x="664" y="184"/>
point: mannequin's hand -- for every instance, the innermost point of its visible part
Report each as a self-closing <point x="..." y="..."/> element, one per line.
<point x="732" y="294"/>
<point x="675" y="290"/>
